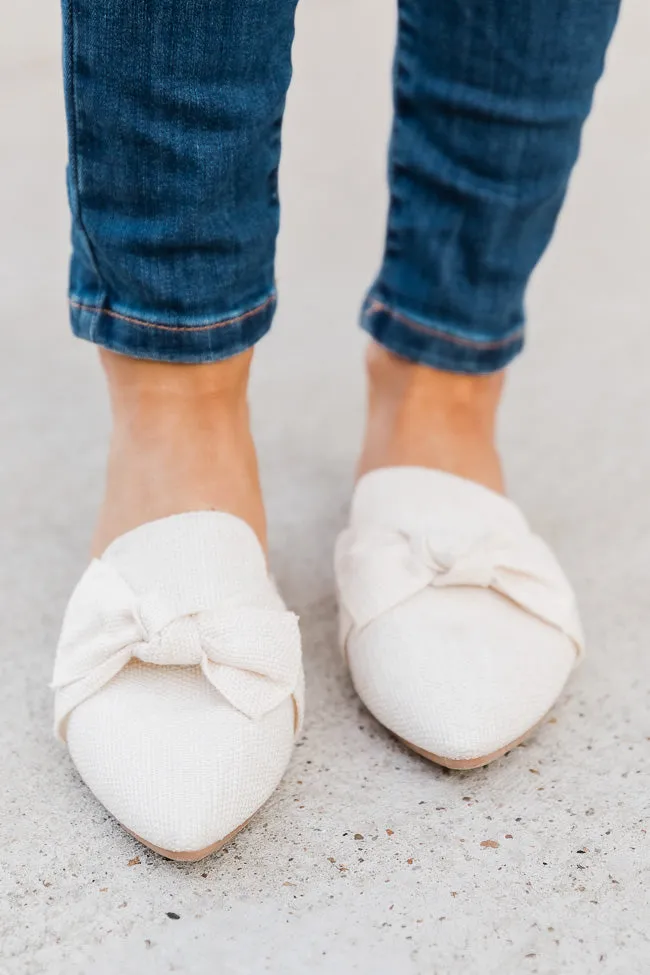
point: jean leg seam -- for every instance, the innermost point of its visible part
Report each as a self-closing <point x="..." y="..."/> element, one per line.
<point x="71" y="51"/>
<point x="395" y="200"/>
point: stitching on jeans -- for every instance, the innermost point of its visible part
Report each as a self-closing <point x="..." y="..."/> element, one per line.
<point x="376" y="306"/>
<point x="70" y="55"/>
<point x="173" y="328"/>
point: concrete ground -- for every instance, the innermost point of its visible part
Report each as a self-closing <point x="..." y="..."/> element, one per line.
<point x="368" y="859"/>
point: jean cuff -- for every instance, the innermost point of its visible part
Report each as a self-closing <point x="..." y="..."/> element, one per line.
<point x="434" y="345"/>
<point x="190" y="343"/>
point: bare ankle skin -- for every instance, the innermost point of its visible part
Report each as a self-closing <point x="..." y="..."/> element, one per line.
<point x="181" y="441"/>
<point x="424" y="417"/>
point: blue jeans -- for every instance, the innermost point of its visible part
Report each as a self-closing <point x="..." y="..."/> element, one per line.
<point x="175" y="112"/>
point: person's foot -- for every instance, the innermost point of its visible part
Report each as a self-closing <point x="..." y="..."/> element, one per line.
<point x="423" y="417"/>
<point x="181" y="442"/>
<point x="457" y="623"/>
<point x="178" y="677"/>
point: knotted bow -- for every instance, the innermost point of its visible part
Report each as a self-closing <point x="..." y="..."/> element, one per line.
<point x="250" y="655"/>
<point x="380" y="569"/>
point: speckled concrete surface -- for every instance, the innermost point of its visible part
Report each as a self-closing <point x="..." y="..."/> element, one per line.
<point x="367" y="860"/>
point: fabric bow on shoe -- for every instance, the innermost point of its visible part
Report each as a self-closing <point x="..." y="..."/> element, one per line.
<point x="380" y="569"/>
<point x="249" y="654"/>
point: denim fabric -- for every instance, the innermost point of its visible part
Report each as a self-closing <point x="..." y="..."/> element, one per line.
<point x="490" y="97"/>
<point x="174" y="114"/>
<point x="174" y="111"/>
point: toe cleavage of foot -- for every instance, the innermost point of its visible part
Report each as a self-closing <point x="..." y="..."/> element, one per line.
<point x="458" y="625"/>
<point x="178" y="680"/>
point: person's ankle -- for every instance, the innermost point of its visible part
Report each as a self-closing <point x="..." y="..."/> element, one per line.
<point x="420" y="416"/>
<point x="181" y="441"/>
<point x="142" y="388"/>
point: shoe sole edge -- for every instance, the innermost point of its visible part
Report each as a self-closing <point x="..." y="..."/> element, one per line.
<point x="461" y="764"/>
<point x="189" y="856"/>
